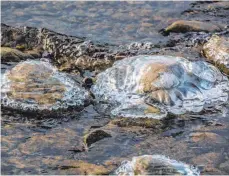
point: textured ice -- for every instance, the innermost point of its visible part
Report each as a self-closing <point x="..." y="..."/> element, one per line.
<point x="37" y="85"/>
<point x="155" y="165"/>
<point x="172" y="84"/>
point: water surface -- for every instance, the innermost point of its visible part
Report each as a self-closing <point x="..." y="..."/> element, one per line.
<point x="111" y="22"/>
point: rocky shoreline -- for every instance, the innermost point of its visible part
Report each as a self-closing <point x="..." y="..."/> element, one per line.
<point x="77" y="140"/>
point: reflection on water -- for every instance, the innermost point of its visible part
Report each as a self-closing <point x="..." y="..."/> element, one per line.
<point x="113" y="22"/>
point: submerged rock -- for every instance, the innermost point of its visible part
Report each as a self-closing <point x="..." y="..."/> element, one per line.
<point x="155" y="165"/>
<point x="37" y="85"/>
<point x="217" y="51"/>
<point x="95" y="136"/>
<point x="149" y="86"/>
<point x="206" y="137"/>
<point x="192" y="26"/>
<point x="142" y="122"/>
<point x="61" y="166"/>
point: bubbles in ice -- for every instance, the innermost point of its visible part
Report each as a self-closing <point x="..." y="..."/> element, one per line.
<point x="155" y="165"/>
<point x="37" y="85"/>
<point x="149" y="86"/>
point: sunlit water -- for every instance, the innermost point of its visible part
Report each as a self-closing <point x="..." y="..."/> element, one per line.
<point x="112" y="22"/>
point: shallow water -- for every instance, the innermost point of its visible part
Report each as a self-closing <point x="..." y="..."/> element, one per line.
<point x="113" y="22"/>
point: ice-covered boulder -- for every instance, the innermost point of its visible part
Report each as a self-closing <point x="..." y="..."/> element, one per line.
<point x="37" y="85"/>
<point x="150" y="86"/>
<point x="155" y="165"/>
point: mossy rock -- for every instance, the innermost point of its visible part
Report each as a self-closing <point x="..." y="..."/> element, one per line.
<point x="142" y="122"/>
<point x="222" y="68"/>
<point x="21" y="47"/>
<point x="95" y="136"/>
<point x="183" y="26"/>
<point x="13" y="55"/>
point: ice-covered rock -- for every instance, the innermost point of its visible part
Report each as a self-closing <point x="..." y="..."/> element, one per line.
<point x="155" y="165"/>
<point x="150" y="86"/>
<point x="37" y="85"/>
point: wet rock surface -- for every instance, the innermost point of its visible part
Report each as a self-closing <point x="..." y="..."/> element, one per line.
<point x="206" y="137"/>
<point x="217" y="51"/>
<point x="80" y="53"/>
<point x="13" y="55"/>
<point x="95" y="136"/>
<point x="61" y="143"/>
<point x="192" y="26"/>
<point x="60" y="148"/>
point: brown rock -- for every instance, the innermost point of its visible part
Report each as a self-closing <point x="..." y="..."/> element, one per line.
<point x="208" y="161"/>
<point x="150" y="75"/>
<point x="192" y="26"/>
<point x="95" y="136"/>
<point x="84" y="62"/>
<point x="56" y="140"/>
<point x="37" y="85"/>
<point x="35" y="82"/>
<point x="208" y="137"/>
<point x="141" y="122"/>
<point x="75" y="167"/>
<point x="36" y="53"/>
<point x="217" y="51"/>
<point x="13" y="55"/>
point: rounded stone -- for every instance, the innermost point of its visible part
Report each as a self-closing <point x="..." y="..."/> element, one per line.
<point x="37" y="85"/>
<point x="217" y="51"/>
<point x="192" y="26"/>
<point x="150" y="86"/>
